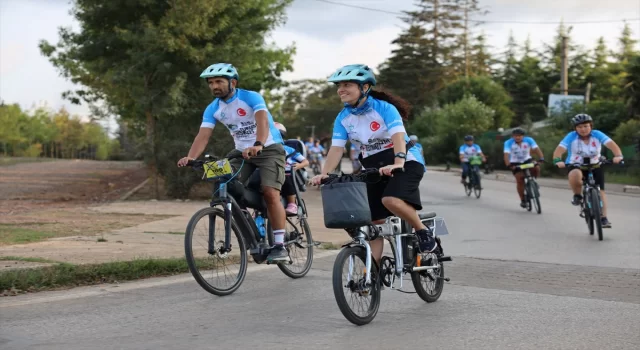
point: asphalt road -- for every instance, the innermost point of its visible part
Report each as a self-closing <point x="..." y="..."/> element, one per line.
<point x="518" y="281"/>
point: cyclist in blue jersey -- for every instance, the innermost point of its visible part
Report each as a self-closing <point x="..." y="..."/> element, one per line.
<point x="467" y="150"/>
<point x="246" y="116"/>
<point x="414" y="138"/>
<point x="517" y="151"/>
<point x="294" y="161"/>
<point x="372" y="120"/>
<point x="581" y="144"/>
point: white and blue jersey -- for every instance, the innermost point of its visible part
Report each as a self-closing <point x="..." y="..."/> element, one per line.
<point x="469" y="151"/>
<point x="292" y="156"/>
<point x="578" y="149"/>
<point x="238" y="115"/>
<point x="519" y="153"/>
<point x="370" y="128"/>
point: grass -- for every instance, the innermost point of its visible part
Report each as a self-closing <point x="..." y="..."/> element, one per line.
<point x="329" y="246"/>
<point x="27" y="259"/>
<point x="64" y="275"/>
<point x="6" y="161"/>
<point x="10" y="234"/>
<point x="623" y="179"/>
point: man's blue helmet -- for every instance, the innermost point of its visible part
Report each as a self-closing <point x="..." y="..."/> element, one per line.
<point x="360" y="73"/>
<point x="225" y="70"/>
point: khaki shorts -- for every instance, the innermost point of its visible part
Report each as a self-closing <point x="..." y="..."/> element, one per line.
<point x="270" y="163"/>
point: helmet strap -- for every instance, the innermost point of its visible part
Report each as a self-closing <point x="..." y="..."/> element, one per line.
<point x="363" y="95"/>
<point x="232" y="90"/>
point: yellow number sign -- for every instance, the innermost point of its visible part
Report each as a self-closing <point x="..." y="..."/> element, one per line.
<point x="217" y="169"/>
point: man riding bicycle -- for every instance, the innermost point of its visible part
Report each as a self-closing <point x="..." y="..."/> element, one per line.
<point x="584" y="142"/>
<point x="468" y="150"/>
<point x="517" y="151"/>
<point x="246" y="116"/>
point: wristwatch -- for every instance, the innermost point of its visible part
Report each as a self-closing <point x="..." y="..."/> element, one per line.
<point x="258" y="143"/>
<point x="401" y="155"/>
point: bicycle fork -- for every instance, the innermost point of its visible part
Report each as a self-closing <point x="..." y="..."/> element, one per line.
<point x="227" y="223"/>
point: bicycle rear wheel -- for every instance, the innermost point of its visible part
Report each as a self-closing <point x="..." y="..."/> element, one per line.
<point x="299" y="244"/>
<point x="210" y="260"/>
<point x="428" y="283"/>
<point x="596" y="210"/>
<point x="350" y="285"/>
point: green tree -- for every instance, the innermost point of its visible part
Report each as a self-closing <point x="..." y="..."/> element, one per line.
<point x="11" y="117"/>
<point x="143" y="58"/>
<point x="485" y="90"/>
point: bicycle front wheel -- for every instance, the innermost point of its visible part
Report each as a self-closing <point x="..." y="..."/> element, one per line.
<point x="597" y="211"/>
<point x="349" y="285"/>
<point x="206" y="257"/>
<point x="535" y="196"/>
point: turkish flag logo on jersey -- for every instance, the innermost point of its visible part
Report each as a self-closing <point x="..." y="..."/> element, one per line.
<point x="524" y="146"/>
<point x="374" y="126"/>
<point x="241" y="112"/>
<point x="593" y="143"/>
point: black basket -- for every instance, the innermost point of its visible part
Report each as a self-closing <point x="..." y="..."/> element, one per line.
<point x="345" y="205"/>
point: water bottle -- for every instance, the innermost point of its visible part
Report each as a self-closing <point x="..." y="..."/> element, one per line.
<point x="260" y="224"/>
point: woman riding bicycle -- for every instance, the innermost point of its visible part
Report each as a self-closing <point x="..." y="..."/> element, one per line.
<point x="372" y="120"/>
<point x="584" y="142"/>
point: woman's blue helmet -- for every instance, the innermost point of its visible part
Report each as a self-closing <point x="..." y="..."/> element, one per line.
<point x="226" y="70"/>
<point x="360" y="73"/>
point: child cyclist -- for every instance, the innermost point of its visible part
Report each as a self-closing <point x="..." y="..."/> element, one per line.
<point x="294" y="161"/>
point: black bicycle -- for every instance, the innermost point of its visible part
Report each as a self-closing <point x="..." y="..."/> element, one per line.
<point x="474" y="177"/>
<point x="591" y="205"/>
<point x="243" y="231"/>
<point x="361" y="283"/>
<point x="531" y="188"/>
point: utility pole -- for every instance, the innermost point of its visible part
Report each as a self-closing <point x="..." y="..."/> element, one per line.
<point x="564" y="73"/>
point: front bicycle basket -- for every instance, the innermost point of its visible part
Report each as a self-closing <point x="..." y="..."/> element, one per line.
<point x="475" y="160"/>
<point x="217" y="170"/>
<point x="345" y="205"/>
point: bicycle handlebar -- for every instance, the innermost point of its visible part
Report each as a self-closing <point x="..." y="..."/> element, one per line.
<point x="363" y="176"/>
<point x="601" y="161"/>
<point x="196" y="163"/>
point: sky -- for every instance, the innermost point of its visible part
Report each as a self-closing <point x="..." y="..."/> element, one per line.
<point x="326" y="36"/>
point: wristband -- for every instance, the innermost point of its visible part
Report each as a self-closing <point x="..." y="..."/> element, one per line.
<point x="557" y="160"/>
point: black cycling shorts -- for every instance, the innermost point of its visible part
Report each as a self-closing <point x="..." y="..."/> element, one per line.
<point x="598" y="175"/>
<point x="404" y="185"/>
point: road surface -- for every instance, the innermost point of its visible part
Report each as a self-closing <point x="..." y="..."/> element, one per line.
<point x="518" y="281"/>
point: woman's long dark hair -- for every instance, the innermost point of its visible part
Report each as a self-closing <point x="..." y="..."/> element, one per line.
<point x="401" y="104"/>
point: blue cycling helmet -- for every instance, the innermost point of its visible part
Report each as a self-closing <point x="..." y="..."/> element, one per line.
<point x="358" y="73"/>
<point x="468" y="138"/>
<point x="225" y="70"/>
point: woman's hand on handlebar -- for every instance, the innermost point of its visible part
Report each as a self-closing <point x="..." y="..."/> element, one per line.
<point x="388" y="169"/>
<point x="184" y="161"/>
<point x="317" y="180"/>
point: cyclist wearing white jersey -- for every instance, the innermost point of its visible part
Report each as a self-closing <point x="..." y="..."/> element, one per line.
<point x="372" y="120"/>
<point x="467" y="150"/>
<point x="517" y="151"/>
<point x="246" y="116"/>
<point x="581" y="144"/>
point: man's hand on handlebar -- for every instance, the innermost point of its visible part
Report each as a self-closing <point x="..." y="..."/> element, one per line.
<point x="184" y="161"/>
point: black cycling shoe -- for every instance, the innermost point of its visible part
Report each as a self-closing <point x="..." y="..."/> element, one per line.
<point x="577" y="199"/>
<point x="427" y="243"/>
<point x="523" y="204"/>
<point x="278" y="253"/>
<point x="605" y="222"/>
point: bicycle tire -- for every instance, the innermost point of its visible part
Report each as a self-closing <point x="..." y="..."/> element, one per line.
<point x="339" y="289"/>
<point x="416" y="278"/>
<point x="307" y="266"/>
<point x="587" y="217"/>
<point x="536" y="197"/>
<point x="595" y="205"/>
<point x="188" y="249"/>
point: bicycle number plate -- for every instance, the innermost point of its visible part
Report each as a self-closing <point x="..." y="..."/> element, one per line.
<point x="217" y="169"/>
<point x="527" y="166"/>
<point x="439" y="227"/>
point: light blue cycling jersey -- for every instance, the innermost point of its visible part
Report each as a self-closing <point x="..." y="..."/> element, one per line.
<point x="519" y="153"/>
<point x="370" y="128"/>
<point x="292" y="156"/>
<point x="469" y="151"/>
<point x="238" y="115"/>
<point x="579" y="149"/>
